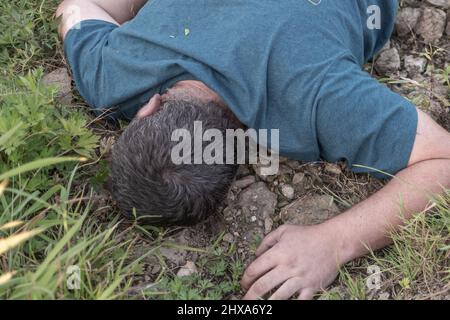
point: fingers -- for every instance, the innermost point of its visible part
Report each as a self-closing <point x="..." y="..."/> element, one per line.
<point x="287" y="290"/>
<point x="270" y="240"/>
<point x="151" y="107"/>
<point x="306" y="294"/>
<point x="265" y="284"/>
<point x="259" y="267"/>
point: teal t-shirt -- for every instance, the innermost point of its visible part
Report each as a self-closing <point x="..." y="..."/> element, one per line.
<point x="292" y="65"/>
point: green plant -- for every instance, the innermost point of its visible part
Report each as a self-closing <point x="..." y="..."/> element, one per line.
<point x="27" y="34"/>
<point x="41" y="130"/>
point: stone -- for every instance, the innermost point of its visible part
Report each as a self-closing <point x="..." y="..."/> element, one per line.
<point x="298" y="178"/>
<point x="294" y="164"/>
<point x="309" y="210"/>
<point x="257" y="199"/>
<point x="444" y="4"/>
<point x="287" y="191"/>
<point x="154" y="269"/>
<point x="388" y="61"/>
<point x="332" y="169"/>
<point x="228" y="237"/>
<point x="386" y="46"/>
<point x="173" y="255"/>
<point x="284" y="170"/>
<point x="407" y="20"/>
<point x="447" y="29"/>
<point x="431" y="25"/>
<point x="62" y="80"/>
<point x="244" y="182"/>
<point x="187" y="270"/>
<point x="268" y="225"/>
<point x="415" y="66"/>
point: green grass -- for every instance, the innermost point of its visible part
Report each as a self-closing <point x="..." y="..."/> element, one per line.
<point x="53" y="217"/>
<point x="416" y="266"/>
<point x="49" y="221"/>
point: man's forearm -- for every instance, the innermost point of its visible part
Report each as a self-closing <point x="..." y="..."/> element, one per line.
<point x="368" y="224"/>
<point x="121" y="10"/>
<point x="73" y="12"/>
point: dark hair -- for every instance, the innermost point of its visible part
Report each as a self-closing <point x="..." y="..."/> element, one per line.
<point x="144" y="178"/>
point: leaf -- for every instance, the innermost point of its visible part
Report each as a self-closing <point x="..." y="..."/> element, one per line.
<point x="5" y="137"/>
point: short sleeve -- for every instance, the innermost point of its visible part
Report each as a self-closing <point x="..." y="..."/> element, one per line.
<point x="363" y="122"/>
<point x="109" y="78"/>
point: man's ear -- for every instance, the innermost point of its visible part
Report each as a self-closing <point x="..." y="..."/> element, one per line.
<point x="151" y="107"/>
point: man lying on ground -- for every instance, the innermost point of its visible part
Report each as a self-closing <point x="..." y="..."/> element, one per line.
<point x="292" y="65"/>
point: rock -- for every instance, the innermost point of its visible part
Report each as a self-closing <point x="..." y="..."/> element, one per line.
<point x="287" y="191"/>
<point x="187" y="270"/>
<point x="415" y="66"/>
<point x="174" y="255"/>
<point x="257" y="199"/>
<point x="293" y="164"/>
<point x="388" y="61"/>
<point x="154" y="269"/>
<point x="447" y="29"/>
<point x="268" y="225"/>
<point x="284" y="170"/>
<point x="431" y="25"/>
<point x="332" y="169"/>
<point x="407" y="20"/>
<point x="298" y="178"/>
<point x="309" y="210"/>
<point x="62" y="80"/>
<point x="244" y="182"/>
<point x="444" y="4"/>
<point x="228" y="237"/>
<point x="386" y="46"/>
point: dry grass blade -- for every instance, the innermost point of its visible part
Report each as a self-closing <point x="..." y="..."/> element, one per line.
<point x="6" y="277"/>
<point x="3" y="186"/>
<point x="14" y="240"/>
<point x="11" y="225"/>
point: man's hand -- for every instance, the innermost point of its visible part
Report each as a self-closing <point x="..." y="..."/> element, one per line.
<point x="298" y="260"/>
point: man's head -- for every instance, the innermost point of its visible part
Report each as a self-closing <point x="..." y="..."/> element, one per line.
<point x="144" y="177"/>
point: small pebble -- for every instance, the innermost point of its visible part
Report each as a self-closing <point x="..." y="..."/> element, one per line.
<point x="187" y="270"/>
<point x="288" y="191"/>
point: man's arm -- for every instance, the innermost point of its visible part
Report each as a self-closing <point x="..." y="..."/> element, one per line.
<point x="411" y="190"/>
<point x="306" y="259"/>
<point x="114" y="11"/>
